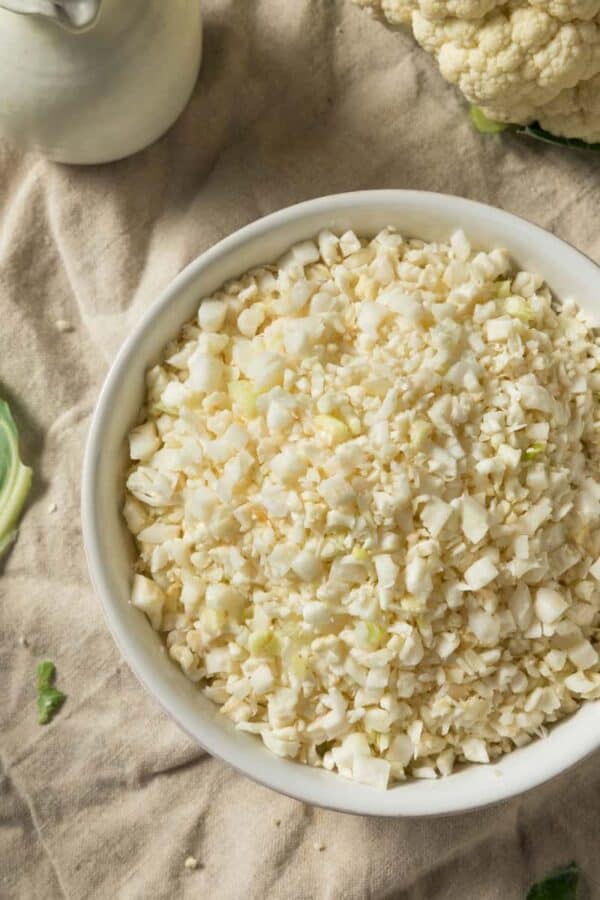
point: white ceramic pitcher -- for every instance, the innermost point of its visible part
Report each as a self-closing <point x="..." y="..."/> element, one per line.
<point x="89" y="81"/>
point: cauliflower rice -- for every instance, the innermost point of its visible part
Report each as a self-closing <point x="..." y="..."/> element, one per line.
<point x="366" y="501"/>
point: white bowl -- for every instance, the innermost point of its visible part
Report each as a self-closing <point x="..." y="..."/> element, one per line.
<point x="414" y="213"/>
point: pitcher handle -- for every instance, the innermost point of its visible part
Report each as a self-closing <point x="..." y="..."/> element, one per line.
<point x="76" y="15"/>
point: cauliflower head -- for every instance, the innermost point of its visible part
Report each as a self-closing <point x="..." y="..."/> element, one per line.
<point x="520" y="61"/>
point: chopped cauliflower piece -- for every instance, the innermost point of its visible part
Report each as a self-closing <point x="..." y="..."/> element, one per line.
<point x="475" y="750"/>
<point x="435" y="515"/>
<point x="485" y="627"/>
<point x="372" y="771"/>
<point x="262" y="680"/>
<point x="480" y="574"/>
<point x="143" y="441"/>
<point x="549" y="605"/>
<point x="148" y="597"/>
<point x="212" y="315"/>
<point x="206" y="372"/>
<point x="335" y="430"/>
<point x="474" y="520"/>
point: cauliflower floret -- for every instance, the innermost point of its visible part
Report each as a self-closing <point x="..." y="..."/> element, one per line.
<point x="397" y="12"/>
<point x="400" y="12"/>
<point x="575" y="112"/>
<point x="462" y="9"/>
<point x="567" y="10"/>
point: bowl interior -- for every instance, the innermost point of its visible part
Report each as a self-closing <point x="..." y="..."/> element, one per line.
<point x="417" y="214"/>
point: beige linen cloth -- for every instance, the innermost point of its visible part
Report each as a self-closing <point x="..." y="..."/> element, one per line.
<point x="296" y="98"/>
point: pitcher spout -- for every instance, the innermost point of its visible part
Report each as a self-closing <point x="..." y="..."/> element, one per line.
<point x="77" y="15"/>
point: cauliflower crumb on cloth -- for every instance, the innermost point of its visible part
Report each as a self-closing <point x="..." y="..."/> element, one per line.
<point x="520" y="61"/>
<point x="366" y="500"/>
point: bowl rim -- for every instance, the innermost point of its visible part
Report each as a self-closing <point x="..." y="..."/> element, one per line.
<point x="501" y="789"/>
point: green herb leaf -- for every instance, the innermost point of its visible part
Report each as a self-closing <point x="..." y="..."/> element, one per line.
<point x="50" y="699"/>
<point x="45" y="674"/>
<point x="49" y="702"/>
<point x="15" y="478"/>
<point x="561" y="885"/>
<point x="484" y="125"/>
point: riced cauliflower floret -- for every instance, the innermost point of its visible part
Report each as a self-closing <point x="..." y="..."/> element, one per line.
<point x="224" y="597"/>
<point x="474" y="520"/>
<point x="250" y="320"/>
<point x="411" y="652"/>
<point x="288" y="465"/>
<point x="148" y="597"/>
<point x="485" y="627"/>
<point x="212" y="315"/>
<point x="480" y="574"/>
<point x="280" y="746"/>
<point x="365" y="495"/>
<point x="262" y="679"/>
<point x="435" y="515"/>
<point x="206" y="372"/>
<point x="306" y="565"/>
<point x="549" y="605"/>
<point x="372" y="771"/>
<point x="418" y="578"/>
<point x="475" y="750"/>
<point x="143" y="441"/>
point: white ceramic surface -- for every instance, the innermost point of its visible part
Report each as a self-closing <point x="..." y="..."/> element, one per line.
<point x="427" y="215"/>
<point x="74" y="14"/>
<point x="100" y="93"/>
